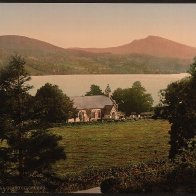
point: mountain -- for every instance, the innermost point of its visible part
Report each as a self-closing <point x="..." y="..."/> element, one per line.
<point x="150" y="55"/>
<point x="15" y="42"/>
<point x="151" y="45"/>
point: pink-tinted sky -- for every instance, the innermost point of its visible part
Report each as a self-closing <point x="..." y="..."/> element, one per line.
<point x="99" y="25"/>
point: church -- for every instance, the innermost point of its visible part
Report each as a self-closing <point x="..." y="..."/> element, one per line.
<point x="96" y="107"/>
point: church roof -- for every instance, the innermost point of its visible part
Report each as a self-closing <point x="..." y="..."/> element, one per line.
<point x="91" y="102"/>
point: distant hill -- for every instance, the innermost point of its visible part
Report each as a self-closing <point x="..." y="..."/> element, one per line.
<point x="151" y="45"/>
<point x="15" y="42"/>
<point x="150" y="55"/>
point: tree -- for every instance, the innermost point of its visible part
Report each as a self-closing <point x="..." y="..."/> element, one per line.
<point x="94" y="90"/>
<point x="52" y="105"/>
<point x="159" y="112"/>
<point x="134" y="99"/>
<point x="179" y="101"/>
<point x="27" y="149"/>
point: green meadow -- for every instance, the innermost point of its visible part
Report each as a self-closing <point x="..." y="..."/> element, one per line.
<point x="111" y="144"/>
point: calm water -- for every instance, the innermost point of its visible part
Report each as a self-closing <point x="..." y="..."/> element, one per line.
<point x="77" y="85"/>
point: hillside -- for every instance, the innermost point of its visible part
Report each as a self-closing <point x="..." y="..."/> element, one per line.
<point x="43" y="58"/>
<point x="151" y="45"/>
<point x="15" y="42"/>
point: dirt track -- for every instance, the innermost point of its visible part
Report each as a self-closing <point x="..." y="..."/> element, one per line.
<point x="93" y="190"/>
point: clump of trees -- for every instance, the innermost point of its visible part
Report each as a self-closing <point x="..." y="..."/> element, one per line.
<point x="28" y="149"/>
<point x="129" y="100"/>
<point x="178" y="105"/>
<point x="52" y="105"/>
<point x="134" y="99"/>
<point x="94" y="90"/>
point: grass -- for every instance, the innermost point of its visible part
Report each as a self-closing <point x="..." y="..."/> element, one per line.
<point x="112" y="144"/>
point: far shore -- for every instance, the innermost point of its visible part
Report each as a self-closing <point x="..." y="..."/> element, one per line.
<point x="111" y="74"/>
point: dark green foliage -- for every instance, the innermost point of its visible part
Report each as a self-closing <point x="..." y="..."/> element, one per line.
<point x="134" y="99"/>
<point x="27" y="149"/>
<point x="52" y="105"/>
<point x="157" y="176"/>
<point x="179" y="101"/>
<point x="192" y="69"/>
<point x="111" y="185"/>
<point x="94" y="90"/>
<point x="150" y="177"/>
<point x="159" y="112"/>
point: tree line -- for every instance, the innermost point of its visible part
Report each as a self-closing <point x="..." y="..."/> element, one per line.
<point x="134" y="99"/>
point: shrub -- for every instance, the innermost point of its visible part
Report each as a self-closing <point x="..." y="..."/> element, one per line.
<point x="112" y="185"/>
<point x="154" y="176"/>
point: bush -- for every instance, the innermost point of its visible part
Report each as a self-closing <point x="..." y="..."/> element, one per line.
<point x="157" y="176"/>
<point x="154" y="176"/>
<point x="112" y="185"/>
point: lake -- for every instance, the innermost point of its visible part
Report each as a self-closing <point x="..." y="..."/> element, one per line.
<point x="77" y="85"/>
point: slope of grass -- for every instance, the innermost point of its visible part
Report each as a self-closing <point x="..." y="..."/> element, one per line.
<point x="112" y="144"/>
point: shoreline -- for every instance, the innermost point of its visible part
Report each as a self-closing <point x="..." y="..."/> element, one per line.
<point x="111" y="74"/>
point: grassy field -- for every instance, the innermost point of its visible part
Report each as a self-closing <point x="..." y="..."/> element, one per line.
<point x="112" y="144"/>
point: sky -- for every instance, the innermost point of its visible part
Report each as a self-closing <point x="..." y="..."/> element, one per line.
<point x="98" y="25"/>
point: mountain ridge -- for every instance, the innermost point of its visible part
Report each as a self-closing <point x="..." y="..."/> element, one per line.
<point x="44" y="58"/>
<point x="149" y="45"/>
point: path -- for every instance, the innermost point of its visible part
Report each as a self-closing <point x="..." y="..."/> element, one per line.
<point x="93" y="190"/>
